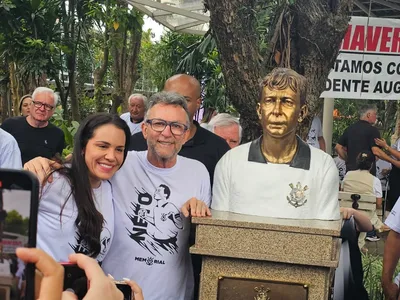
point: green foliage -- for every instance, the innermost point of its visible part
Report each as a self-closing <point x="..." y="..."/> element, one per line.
<point x="69" y="129"/>
<point x="349" y="113"/>
<point x="31" y="33"/>
<point x="372" y="266"/>
<point x="15" y="223"/>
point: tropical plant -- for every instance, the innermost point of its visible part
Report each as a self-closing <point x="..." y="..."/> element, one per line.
<point x="69" y="129"/>
<point x="372" y="266"/>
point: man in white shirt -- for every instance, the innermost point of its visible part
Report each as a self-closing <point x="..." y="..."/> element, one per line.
<point x="10" y="156"/>
<point x="152" y="210"/>
<point x="315" y="137"/>
<point x="134" y="117"/>
<point x="151" y="235"/>
<point x="391" y="254"/>
<point x="278" y="175"/>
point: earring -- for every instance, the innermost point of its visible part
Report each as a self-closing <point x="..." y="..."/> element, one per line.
<point x="300" y="119"/>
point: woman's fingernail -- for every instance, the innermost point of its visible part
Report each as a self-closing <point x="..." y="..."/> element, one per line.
<point x="109" y="275"/>
<point x="126" y="279"/>
<point x="70" y="290"/>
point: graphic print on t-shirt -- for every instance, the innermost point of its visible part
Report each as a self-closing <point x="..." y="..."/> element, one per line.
<point x="81" y="245"/>
<point x="156" y="221"/>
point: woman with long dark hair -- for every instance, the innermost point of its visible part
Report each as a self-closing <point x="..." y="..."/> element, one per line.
<point x="76" y="211"/>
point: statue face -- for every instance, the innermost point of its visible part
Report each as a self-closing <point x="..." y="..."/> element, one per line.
<point x="280" y="111"/>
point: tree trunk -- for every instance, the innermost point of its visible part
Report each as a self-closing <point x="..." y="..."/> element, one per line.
<point x="132" y="74"/>
<point x="306" y="39"/>
<point x="99" y="74"/>
<point x="14" y="89"/>
<point x="233" y="22"/>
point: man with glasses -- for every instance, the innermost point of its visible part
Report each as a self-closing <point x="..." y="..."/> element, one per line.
<point x="201" y="144"/>
<point x="35" y="135"/>
<point x="152" y="188"/>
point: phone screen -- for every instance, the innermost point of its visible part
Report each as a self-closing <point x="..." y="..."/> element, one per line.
<point x="17" y="229"/>
<point x="14" y="233"/>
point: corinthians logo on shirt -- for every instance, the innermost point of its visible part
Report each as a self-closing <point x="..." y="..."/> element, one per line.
<point x="156" y="221"/>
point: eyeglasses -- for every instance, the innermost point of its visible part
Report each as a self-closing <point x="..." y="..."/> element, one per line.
<point x="39" y="104"/>
<point x="159" y="125"/>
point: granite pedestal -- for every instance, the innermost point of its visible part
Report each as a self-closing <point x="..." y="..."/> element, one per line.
<point x="257" y="258"/>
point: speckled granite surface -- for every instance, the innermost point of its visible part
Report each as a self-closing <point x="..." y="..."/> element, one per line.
<point x="284" y="250"/>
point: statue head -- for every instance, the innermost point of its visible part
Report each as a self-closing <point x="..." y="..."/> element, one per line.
<point x="282" y="102"/>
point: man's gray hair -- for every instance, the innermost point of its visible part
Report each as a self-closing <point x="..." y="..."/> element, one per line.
<point x="45" y="90"/>
<point x="167" y="98"/>
<point x="366" y="108"/>
<point x="224" y="120"/>
<point x="143" y="97"/>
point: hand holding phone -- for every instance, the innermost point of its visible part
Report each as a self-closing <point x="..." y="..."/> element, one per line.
<point x="99" y="285"/>
<point x="19" y="193"/>
<point x="51" y="285"/>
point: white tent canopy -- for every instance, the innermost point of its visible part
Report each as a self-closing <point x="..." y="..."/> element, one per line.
<point x="186" y="16"/>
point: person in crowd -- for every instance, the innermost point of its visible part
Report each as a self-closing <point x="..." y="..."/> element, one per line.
<point x="227" y="127"/>
<point x="278" y="175"/>
<point x="76" y="210"/>
<point x="382" y="173"/>
<point x="355" y="289"/>
<point x="25" y="105"/>
<point x="35" y="135"/>
<point x="51" y="283"/>
<point x="391" y="254"/>
<point x="394" y="176"/>
<point x="358" y="137"/>
<point x="209" y="113"/>
<point x="201" y="145"/>
<point x="361" y="181"/>
<point x="134" y="117"/>
<point x="10" y="156"/>
<point x="341" y="166"/>
<point x="155" y="193"/>
<point x="315" y="137"/>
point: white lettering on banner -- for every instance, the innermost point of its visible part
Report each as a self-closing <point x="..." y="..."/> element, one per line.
<point x="368" y="64"/>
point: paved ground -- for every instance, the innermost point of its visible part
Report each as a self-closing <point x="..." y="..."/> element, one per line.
<point x="376" y="248"/>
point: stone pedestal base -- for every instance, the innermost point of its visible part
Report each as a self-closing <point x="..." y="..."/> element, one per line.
<point x="254" y="258"/>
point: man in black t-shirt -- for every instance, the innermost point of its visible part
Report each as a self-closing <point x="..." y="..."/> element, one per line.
<point x="35" y="135"/>
<point x="359" y="137"/>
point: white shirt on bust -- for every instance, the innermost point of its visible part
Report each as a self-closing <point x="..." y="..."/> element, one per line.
<point x="315" y="132"/>
<point x="134" y="127"/>
<point x="151" y="242"/>
<point x="307" y="188"/>
<point x="60" y="237"/>
<point x="10" y="155"/>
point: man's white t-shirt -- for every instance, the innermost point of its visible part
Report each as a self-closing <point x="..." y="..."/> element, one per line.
<point x="58" y="236"/>
<point x="393" y="220"/>
<point x="308" y="188"/>
<point x="134" y="127"/>
<point x="314" y="133"/>
<point x="151" y="237"/>
<point x="10" y="155"/>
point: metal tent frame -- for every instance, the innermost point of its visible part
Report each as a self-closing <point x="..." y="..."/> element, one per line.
<point x="186" y="16"/>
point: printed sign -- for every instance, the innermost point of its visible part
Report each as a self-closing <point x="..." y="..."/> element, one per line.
<point x="368" y="64"/>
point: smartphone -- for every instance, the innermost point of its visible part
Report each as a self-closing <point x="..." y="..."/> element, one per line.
<point x="125" y="289"/>
<point x="19" y="194"/>
<point x="75" y="279"/>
